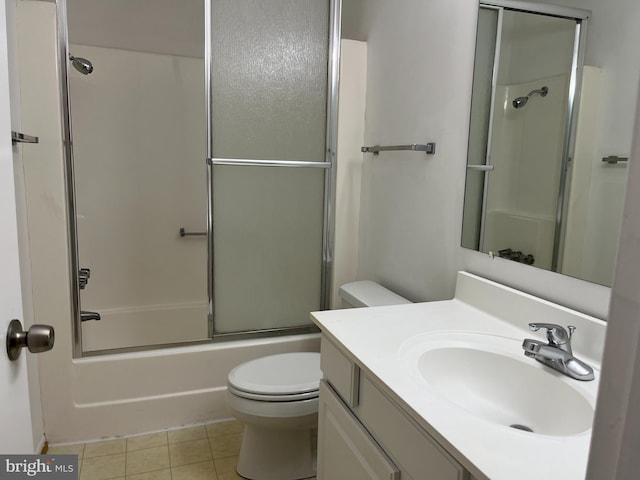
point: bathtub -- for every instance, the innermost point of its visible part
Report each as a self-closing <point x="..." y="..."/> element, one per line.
<point x="139" y="392"/>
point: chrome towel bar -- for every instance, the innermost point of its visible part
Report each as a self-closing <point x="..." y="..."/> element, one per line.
<point x="482" y="168"/>
<point x="614" y="159"/>
<point x="184" y="233"/>
<point x="429" y="148"/>
<point x="17" y="137"/>
<point x="246" y="162"/>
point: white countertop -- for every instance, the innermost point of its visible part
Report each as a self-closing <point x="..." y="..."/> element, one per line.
<point x="378" y="339"/>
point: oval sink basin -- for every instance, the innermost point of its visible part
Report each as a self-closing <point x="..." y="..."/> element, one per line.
<point x="485" y="376"/>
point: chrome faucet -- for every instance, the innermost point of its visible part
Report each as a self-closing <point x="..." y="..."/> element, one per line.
<point x="557" y="353"/>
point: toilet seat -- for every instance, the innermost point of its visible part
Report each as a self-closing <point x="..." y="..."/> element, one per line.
<point x="273" y="398"/>
<point x="277" y="378"/>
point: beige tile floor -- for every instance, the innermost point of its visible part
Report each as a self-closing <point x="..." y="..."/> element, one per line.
<point x="205" y="452"/>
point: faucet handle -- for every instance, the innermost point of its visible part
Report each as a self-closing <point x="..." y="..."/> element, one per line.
<point x="556" y="334"/>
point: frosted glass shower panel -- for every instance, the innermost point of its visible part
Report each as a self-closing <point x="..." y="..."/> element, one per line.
<point x="269" y="81"/>
<point x="267" y="240"/>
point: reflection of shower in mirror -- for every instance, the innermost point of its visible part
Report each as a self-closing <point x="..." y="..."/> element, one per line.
<point x="522" y="101"/>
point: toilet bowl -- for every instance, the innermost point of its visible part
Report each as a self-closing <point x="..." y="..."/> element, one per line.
<point x="276" y="397"/>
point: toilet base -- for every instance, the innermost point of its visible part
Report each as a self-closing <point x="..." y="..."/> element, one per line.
<point x="275" y="454"/>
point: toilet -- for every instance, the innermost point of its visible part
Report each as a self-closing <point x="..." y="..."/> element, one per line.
<point x="276" y="398"/>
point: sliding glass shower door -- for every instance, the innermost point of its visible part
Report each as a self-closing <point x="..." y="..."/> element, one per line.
<point x="270" y="81"/>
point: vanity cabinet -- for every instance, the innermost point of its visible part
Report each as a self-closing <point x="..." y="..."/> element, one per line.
<point x="363" y="434"/>
<point x="345" y="448"/>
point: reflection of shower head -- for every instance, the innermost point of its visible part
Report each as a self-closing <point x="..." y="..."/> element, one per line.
<point x="522" y="101"/>
<point x="82" y="65"/>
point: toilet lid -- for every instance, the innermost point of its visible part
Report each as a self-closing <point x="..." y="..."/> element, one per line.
<point x="283" y="374"/>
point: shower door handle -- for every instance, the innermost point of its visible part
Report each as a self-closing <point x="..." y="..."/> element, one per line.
<point x="482" y="168"/>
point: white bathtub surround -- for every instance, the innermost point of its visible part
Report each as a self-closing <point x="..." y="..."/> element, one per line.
<point x="487" y="449"/>
<point x="123" y="327"/>
<point x="139" y="177"/>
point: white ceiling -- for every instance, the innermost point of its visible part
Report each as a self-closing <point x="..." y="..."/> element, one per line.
<point x="172" y="27"/>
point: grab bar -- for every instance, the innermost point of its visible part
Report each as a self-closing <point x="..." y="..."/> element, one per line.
<point x="429" y="148"/>
<point x="184" y="233"/>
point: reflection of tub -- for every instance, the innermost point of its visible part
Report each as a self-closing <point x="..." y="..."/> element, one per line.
<point x="138" y="392"/>
<point x="529" y="233"/>
<point x="145" y="325"/>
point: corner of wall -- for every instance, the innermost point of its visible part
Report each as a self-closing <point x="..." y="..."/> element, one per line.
<point x="353" y="86"/>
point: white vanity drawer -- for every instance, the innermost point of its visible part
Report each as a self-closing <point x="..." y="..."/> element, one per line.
<point x="340" y="372"/>
<point x="408" y="444"/>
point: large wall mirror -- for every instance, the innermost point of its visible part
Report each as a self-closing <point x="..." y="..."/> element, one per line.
<point x="551" y="127"/>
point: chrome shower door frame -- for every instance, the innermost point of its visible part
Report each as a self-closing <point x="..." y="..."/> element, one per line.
<point x="69" y="173"/>
<point x="329" y="166"/>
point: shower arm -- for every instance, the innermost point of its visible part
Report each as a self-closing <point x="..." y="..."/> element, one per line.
<point x="542" y="91"/>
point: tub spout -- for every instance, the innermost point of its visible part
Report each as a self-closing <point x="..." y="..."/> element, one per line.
<point x="86" y="315"/>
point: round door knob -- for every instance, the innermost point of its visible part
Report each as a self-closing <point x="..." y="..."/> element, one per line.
<point x="39" y="338"/>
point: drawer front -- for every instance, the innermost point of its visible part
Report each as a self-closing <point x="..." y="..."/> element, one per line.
<point x="340" y="372"/>
<point x="419" y="455"/>
<point x="345" y="450"/>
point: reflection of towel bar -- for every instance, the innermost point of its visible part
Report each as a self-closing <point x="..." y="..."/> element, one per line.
<point x="614" y="159"/>
<point x="429" y="148"/>
<point x="184" y="233"/>
<point x="482" y="168"/>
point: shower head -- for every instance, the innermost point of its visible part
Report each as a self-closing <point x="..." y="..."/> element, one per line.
<point x="82" y="65"/>
<point x="522" y="101"/>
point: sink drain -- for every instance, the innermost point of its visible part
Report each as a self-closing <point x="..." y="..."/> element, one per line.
<point x="524" y="428"/>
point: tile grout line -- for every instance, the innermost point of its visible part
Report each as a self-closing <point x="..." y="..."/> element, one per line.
<point x="169" y="453"/>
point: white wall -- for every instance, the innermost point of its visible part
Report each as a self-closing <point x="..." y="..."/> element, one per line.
<point x="353" y="78"/>
<point x="616" y="430"/>
<point x="420" y="61"/>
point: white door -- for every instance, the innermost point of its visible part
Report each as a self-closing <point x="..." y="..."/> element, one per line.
<point x="15" y="413"/>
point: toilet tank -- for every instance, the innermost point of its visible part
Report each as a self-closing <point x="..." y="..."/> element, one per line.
<point x="365" y="293"/>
